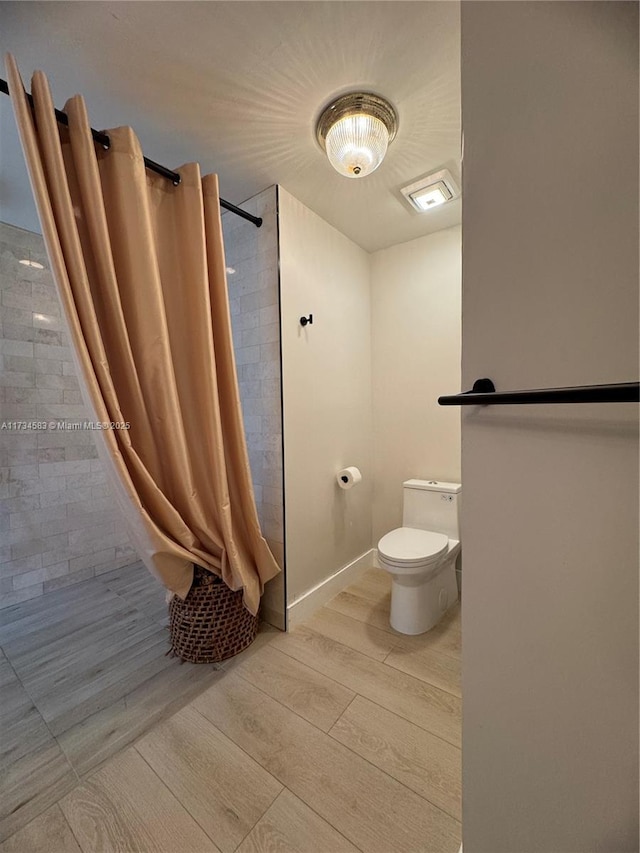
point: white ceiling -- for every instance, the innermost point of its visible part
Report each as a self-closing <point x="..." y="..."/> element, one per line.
<point x="238" y="86"/>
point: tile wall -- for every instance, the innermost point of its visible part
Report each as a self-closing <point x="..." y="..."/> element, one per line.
<point x="58" y="522"/>
<point x="252" y="276"/>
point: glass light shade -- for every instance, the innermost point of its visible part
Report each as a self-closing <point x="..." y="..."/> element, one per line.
<point x="356" y="144"/>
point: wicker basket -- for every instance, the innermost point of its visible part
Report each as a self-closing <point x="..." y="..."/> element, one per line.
<point x="211" y="624"/>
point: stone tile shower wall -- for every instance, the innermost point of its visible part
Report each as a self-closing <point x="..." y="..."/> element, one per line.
<point x="58" y="523"/>
<point x="252" y="276"/>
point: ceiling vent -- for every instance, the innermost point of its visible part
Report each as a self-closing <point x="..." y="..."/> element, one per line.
<point x="433" y="191"/>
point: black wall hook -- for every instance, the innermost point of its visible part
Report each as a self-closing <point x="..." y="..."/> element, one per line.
<point x="305" y="320"/>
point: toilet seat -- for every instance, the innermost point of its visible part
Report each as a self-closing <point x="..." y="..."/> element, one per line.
<point x="408" y="547"/>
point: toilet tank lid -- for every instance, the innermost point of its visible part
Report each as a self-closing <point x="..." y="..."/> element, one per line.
<point x="433" y="486"/>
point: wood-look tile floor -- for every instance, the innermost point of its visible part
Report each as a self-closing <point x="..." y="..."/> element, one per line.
<point x="339" y="736"/>
<point x="83" y="673"/>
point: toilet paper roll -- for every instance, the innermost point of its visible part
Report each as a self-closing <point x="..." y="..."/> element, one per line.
<point x="348" y="477"/>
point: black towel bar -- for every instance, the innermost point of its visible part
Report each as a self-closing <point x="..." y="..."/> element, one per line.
<point x="484" y="393"/>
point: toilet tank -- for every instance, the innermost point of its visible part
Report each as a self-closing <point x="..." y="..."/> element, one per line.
<point x="432" y="505"/>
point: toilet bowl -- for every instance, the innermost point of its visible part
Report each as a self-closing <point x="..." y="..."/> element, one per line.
<point x="420" y="560"/>
<point x="422" y="568"/>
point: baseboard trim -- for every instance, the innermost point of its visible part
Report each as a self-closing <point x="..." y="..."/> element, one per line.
<point x="305" y="604"/>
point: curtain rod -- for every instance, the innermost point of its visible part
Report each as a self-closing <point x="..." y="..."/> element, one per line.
<point x="174" y="177"/>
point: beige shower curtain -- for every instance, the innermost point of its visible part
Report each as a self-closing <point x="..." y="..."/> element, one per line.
<point x="139" y="266"/>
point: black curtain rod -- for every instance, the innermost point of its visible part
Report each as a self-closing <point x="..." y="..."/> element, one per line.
<point x="484" y="393"/>
<point x="174" y="177"/>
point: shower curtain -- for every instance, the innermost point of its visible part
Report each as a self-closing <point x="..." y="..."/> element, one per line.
<point x="140" y="271"/>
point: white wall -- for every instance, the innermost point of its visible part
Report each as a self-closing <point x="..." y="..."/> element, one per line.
<point x="550" y="511"/>
<point x="327" y="395"/>
<point x="416" y="319"/>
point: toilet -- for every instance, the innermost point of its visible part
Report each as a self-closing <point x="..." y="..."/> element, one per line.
<point x="421" y="555"/>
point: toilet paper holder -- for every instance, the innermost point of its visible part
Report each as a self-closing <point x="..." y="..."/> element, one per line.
<point x="305" y="320"/>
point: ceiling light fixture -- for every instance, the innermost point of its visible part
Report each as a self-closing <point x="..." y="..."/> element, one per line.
<point x="432" y="191"/>
<point x="355" y="131"/>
